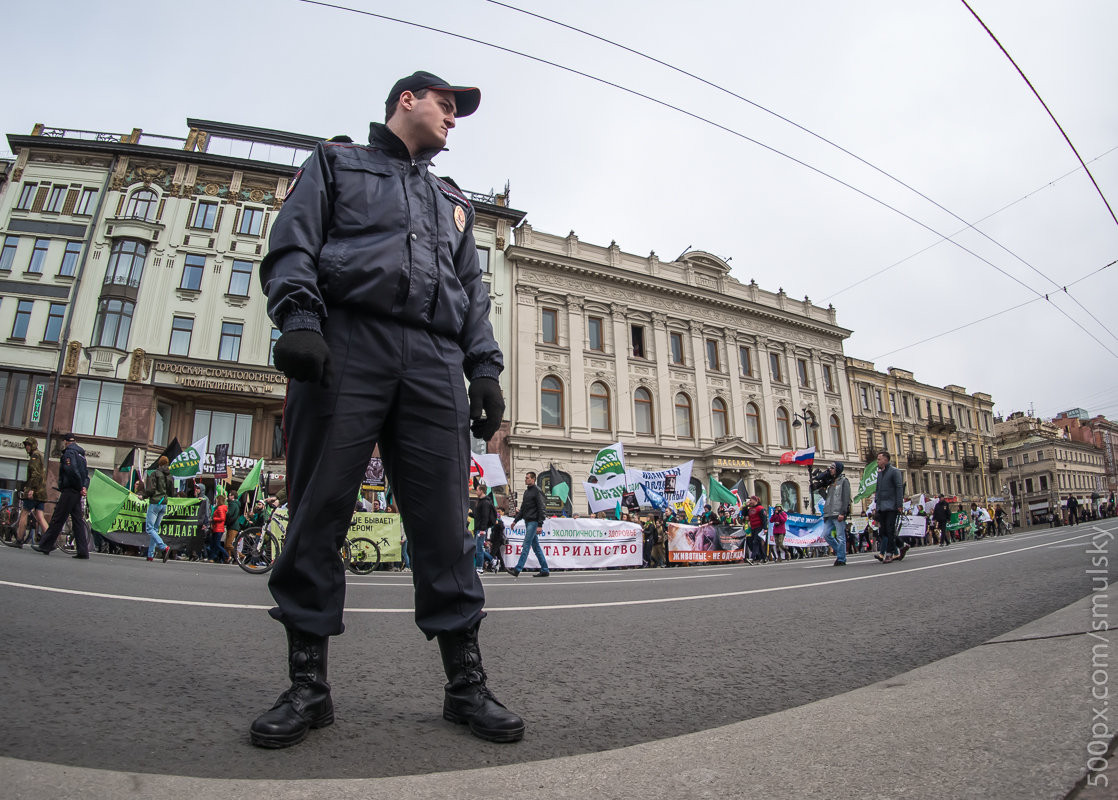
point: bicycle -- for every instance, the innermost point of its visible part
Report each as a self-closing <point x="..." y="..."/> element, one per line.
<point x="256" y="548"/>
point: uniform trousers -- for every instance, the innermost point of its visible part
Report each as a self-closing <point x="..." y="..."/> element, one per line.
<point x="402" y="388"/>
<point x="69" y="505"/>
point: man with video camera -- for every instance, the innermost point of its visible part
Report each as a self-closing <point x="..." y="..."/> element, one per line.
<point x="836" y="506"/>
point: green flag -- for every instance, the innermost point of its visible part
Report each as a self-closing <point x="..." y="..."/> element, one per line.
<point x="105" y="498"/>
<point x="252" y="480"/>
<point x="609" y="461"/>
<point x="189" y="462"/>
<point x="868" y="484"/>
<point x="719" y="493"/>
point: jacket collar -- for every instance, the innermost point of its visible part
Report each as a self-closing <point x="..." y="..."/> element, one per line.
<point x="382" y="137"/>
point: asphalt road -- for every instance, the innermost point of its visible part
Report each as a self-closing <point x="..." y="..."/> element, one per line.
<point x="146" y="667"/>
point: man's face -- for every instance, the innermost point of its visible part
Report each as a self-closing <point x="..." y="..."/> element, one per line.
<point x="882" y="461"/>
<point x="529" y="480"/>
<point x="430" y="119"/>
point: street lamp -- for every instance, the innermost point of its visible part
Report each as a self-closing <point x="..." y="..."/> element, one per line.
<point x="806" y="419"/>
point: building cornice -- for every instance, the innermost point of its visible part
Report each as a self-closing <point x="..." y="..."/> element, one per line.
<point x="625" y="278"/>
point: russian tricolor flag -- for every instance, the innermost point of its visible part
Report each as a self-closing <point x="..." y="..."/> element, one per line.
<point x="805" y="456"/>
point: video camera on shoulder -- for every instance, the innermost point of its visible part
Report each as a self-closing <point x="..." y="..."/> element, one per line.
<point x="821" y="479"/>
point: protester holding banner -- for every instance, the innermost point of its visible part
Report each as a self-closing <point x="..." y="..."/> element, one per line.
<point x="835" y="508"/>
<point x="532" y="511"/>
<point x="888" y="497"/>
<point x="780" y="530"/>
<point x="758" y="523"/>
<point x="159" y="488"/>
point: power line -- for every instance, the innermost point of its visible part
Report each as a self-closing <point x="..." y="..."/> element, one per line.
<point x="1006" y="311"/>
<point x="705" y="120"/>
<point x="962" y="230"/>
<point x="1046" y="108"/>
<point x="889" y="175"/>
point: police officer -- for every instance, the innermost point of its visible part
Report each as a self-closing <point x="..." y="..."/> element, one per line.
<point x="373" y="279"/>
<point x="73" y="483"/>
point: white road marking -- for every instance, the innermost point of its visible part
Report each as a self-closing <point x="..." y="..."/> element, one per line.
<point x="566" y="606"/>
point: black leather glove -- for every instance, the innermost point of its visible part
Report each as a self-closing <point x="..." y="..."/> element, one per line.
<point x="485" y="394"/>
<point x="303" y="356"/>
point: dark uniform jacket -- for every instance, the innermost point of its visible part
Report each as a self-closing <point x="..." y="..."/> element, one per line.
<point x="72" y="470"/>
<point x="371" y="228"/>
<point x="485" y="515"/>
<point x="890" y="489"/>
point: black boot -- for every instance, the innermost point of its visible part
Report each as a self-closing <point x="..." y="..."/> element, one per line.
<point x="467" y="699"/>
<point x="306" y="704"/>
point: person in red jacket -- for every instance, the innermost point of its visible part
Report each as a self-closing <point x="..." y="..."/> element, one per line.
<point x="218" y="532"/>
<point x="780" y="527"/>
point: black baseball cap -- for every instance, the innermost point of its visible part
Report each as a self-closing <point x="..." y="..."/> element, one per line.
<point x="69" y="437"/>
<point x="467" y="100"/>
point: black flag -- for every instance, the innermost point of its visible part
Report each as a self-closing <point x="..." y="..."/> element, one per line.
<point x="128" y="461"/>
<point x="172" y="452"/>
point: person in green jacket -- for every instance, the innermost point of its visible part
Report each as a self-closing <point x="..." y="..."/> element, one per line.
<point x="34" y="493"/>
<point x="157" y="488"/>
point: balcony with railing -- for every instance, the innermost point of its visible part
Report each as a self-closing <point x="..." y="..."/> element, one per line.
<point x="970" y="463"/>
<point x="869" y="454"/>
<point x="941" y="425"/>
<point x="917" y="459"/>
<point x="995" y="465"/>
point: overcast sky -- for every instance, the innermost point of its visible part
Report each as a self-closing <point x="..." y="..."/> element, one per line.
<point x="916" y="88"/>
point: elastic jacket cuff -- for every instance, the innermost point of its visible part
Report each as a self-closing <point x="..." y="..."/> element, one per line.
<point x="302" y="321"/>
<point x="486" y="371"/>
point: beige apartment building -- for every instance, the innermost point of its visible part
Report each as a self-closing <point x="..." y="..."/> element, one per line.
<point x="1044" y="467"/>
<point x="130" y="307"/>
<point x="677" y="360"/>
<point x="942" y="438"/>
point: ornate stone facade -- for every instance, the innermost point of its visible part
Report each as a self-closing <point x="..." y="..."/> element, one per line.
<point x="677" y="360"/>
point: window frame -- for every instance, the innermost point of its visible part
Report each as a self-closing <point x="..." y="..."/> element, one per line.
<point x="22" y="319"/>
<point x="803" y="374"/>
<point x="599" y="398"/>
<point x="8" y="252"/>
<point x="87" y="198"/>
<point x="783" y="427"/>
<point x="188" y="265"/>
<point x="104" y="313"/>
<point x="714" y="363"/>
<point x="255" y="214"/>
<point x="598" y="322"/>
<point x="685" y="405"/>
<point x="38" y="256"/>
<point x="201" y="214"/>
<point x="547" y="314"/>
<point x="836" y="433"/>
<point x="74" y="249"/>
<point x="102" y="410"/>
<point x="142" y="196"/>
<point x="719" y="410"/>
<point x="27" y="196"/>
<point x="828" y="378"/>
<point x="638" y="402"/>
<point x="776" y="371"/>
<point x="753" y="419"/>
<point x="678" y="354"/>
<point x="135" y="251"/>
<point x="555" y="393"/>
<point x="234" y="272"/>
<point x="745" y="360"/>
<point x="177" y="329"/>
<point x="56" y="199"/>
<point x="231" y="336"/>
<point x="55" y="312"/>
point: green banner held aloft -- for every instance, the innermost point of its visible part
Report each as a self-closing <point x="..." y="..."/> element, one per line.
<point x="960" y="520"/>
<point x="188" y="463"/>
<point x="252" y="480"/>
<point x="868" y="484"/>
<point x="105" y="498"/>
<point x="719" y="493"/>
<point x="609" y="461"/>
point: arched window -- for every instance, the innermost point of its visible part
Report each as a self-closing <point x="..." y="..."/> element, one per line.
<point x="141" y="205"/>
<point x="126" y="263"/>
<point x="599" y="407"/>
<point x="718" y="418"/>
<point x="683" y="416"/>
<point x="551" y="402"/>
<point x="790" y="496"/>
<point x="836" y="434"/>
<point x="783" y="427"/>
<point x="752" y="424"/>
<point x="764" y="494"/>
<point x="642" y="406"/>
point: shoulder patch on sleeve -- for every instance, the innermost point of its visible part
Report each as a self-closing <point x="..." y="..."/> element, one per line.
<point x="294" y="180"/>
<point x="451" y="190"/>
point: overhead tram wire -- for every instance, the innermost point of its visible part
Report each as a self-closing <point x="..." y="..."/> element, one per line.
<point x="880" y="170"/>
<point x="991" y="215"/>
<point x="705" y="120"/>
<point x="1046" y="108"/>
<point x="1000" y="313"/>
<point x="1067" y="139"/>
